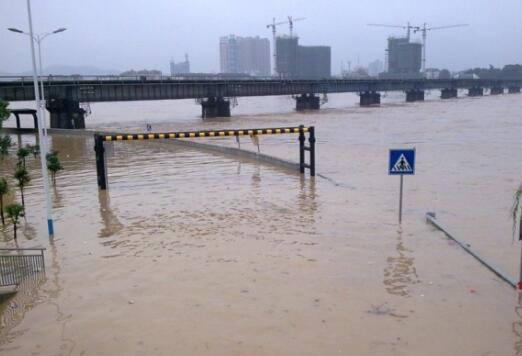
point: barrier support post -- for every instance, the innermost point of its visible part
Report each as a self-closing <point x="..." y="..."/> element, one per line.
<point x="100" y="162"/>
<point x="311" y="140"/>
<point x="301" y="149"/>
<point x="519" y="284"/>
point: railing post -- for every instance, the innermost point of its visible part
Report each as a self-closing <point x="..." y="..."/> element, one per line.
<point x="100" y="162"/>
<point x="311" y="140"/>
<point x="301" y="149"/>
<point x="43" y="258"/>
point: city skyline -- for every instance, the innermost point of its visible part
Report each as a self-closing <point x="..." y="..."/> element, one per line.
<point x="125" y="38"/>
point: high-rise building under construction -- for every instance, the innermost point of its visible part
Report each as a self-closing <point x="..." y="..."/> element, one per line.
<point x="180" y="67"/>
<point x="286" y="56"/>
<point x="404" y="57"/>
<point x="246" y="55"/>
<point x="301" y="62"/>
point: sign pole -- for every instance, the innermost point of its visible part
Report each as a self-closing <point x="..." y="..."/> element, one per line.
<point x="400" y="200"/>
<point x="401" y="163"/>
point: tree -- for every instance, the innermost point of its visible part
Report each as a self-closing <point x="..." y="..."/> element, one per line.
<point x="512" y="71"/>
<point x="4" y="112"/>
<point x="23" y="179"/>
<point x="4" y="189"/>
<point x="22" y="153"/>
<point x="33" y="149"/>
<point x="444" y="74"/>
<point x="53" y="165"/>
<point x="5" y="141"/>
<point x="14" y="211"/>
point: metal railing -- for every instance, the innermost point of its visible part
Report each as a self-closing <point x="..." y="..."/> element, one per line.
<point x="19" y="263"/>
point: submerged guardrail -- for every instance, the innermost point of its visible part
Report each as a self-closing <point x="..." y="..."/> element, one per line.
<point x="100" y="139"/>
<point x="19" y="263"/>
<point x="431" y="219"/>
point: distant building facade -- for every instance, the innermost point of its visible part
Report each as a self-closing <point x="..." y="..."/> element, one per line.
<point x="228" y="54"/>
<point x="432" y="73"/>
<point x="244" y="55"/>
<point x="305" y="62"/>
<point x="181" y="67"/>
<point x="149" y="73"/>
<point x="375" y="68"/>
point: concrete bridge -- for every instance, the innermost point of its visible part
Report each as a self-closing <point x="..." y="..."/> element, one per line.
<point x="64" y="94"/>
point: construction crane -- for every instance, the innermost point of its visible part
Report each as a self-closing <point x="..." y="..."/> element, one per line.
<point x="424" y="30"/>
<point x="408" y="28"/>
<point x="273" y="26"/>
<point x="291" y="23"/>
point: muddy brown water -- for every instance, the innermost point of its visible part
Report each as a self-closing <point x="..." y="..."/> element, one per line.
<point x="192" y="253"/>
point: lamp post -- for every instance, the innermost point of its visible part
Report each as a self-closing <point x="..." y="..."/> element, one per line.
<point x="38" y="38"/>
<point x="41" y="126"/>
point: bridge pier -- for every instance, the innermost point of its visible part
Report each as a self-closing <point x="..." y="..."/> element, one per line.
<point x="369" y="98"/>
<point x="448" y="93"/>
<point x="414" y="95"/>
<point x="307" y="102"/>
<point x="496" y="91"/>
<point x="66" y="114"/>
<point x="215" y="107"/>
<point x="514" y="90"/>
<point x="475" y="91"/>
<point x="18" y="112"/>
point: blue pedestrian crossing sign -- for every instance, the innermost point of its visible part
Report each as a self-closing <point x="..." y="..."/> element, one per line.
<point x="402" y="162"/>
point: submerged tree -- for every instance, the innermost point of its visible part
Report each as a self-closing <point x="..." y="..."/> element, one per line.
<point x="23" y="179"/>
<point x="33" y="149"/>
<point x="21" y="154"/>
<point x="53" y="165"/>
<point x="5" y="143"/>
<point x="14" y="211"/>
<point x="4" y="189"/>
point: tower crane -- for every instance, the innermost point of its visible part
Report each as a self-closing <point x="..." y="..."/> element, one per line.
<point x="291" y="23"/>
<point x="408" y="28"/>
<point x="424" y="30"/>
<point x="273" y="26"/>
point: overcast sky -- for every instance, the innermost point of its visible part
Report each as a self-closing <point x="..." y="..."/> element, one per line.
<point x="125" y="34"/>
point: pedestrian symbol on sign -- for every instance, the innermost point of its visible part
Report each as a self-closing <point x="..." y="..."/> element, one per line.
<point x="402" y="166"/>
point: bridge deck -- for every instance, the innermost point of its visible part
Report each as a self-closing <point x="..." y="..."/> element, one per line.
<point x="127" y="89"/>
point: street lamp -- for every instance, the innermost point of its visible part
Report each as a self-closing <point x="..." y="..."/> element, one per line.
<point x="38" y="38"/>
<point x="41" y="125"/>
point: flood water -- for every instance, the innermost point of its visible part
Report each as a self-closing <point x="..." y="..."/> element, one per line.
<point x="193" y="253"/>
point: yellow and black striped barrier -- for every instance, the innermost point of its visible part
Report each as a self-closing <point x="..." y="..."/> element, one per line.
<point x="99" y="140"/>
<point x="213" y="133"/>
